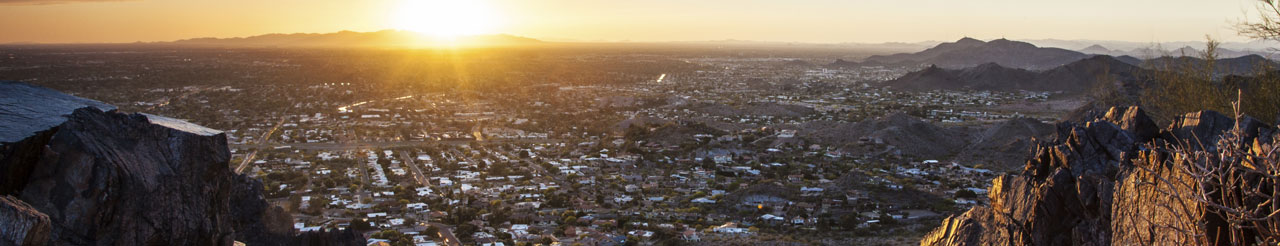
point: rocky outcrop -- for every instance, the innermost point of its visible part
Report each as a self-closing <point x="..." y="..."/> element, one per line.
<point x="1104" y="182"/>
<point x="27" y="126"/>
<point x="126" y="179"/>
<point x="23" y="225"/>
<point x="85" y="174"/>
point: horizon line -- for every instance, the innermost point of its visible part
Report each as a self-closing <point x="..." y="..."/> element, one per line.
<point x="624" y="41"/>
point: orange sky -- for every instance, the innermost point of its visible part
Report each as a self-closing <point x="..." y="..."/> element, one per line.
<point x="652" y="20"/>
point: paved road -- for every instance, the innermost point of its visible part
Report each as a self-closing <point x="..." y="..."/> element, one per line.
<point x="376" y="145"/>
<point x="266" y="137"/>
<point x="446" y="232"/>
<point x="418" y="175"/>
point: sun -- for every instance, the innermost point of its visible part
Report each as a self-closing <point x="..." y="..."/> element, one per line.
<point x="446" y="18"/>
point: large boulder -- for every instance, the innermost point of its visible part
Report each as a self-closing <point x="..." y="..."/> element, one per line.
<point x="133" y="179"/>
<point x="83" y="173"/>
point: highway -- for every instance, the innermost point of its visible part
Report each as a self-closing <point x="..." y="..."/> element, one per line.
<point x="265" y="139"/>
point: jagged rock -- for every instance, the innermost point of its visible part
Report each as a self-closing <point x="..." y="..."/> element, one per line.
<point x="107" y="178"/>
<point x="1203" y="128"/>
<point x="20" y="224"/>
<point x="964" y="229"/>
<point x="1095" y="184"/>
<point x="1134" y="119"/>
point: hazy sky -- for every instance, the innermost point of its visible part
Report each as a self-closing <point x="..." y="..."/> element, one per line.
<point x="645" y="20"/>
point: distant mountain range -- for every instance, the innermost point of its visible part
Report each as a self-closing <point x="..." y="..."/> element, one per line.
<point x="1261" y="46"/>
<point x="385" y="38"/>
<point x="1005" y="65"/>
<point x="1244" y="66"/>
<point x="1151" y="52"/>
<point x="968" y="52"/>
<point x="1075" y="77"/>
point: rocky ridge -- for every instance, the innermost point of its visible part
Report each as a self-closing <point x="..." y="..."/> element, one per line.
<point x="1075" y="78"/>
<point x="77" y="172"/>
<point x="1094" y="184"/>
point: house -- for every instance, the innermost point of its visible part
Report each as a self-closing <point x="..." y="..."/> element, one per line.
<point x="519" y="230"/>
<point x="690" y="235"/>
<point x="770" y="218"/>
<point x="811" y="191"/>
<point x="375" y="241"/>
<point x="853" y="196"/>
<point x="423" y="241"/>
<point x="730" y="228"/>
<point x="787" y="134"/>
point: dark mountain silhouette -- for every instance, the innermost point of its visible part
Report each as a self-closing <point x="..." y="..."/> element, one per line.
<point x="844" y="63"/>
<point x="1075" y="77"/>
<point x="968" y="52"/>
<point x="1005" y="144"/>
<point x="1130" y="60"/>
<point x="988" y="76"/>
<point x="1082" y="75"/>
<point x="385" y="38"/>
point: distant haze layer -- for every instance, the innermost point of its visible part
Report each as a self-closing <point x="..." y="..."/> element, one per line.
<point x="822" y="21"/>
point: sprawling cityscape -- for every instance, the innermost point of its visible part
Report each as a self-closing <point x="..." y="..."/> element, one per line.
<point x="640" y="147"/>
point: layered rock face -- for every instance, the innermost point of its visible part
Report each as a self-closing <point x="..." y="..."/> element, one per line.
<point x="23" y="225"/>
<point x="76" y="172"/>
<point x="1104" y="182"/>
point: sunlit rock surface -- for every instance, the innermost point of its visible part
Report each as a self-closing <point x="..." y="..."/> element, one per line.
<point x="1092" y="185"/>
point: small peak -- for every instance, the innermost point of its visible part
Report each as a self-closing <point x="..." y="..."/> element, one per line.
<point x="1096" y="48"/>
<point x="1010" y="43"/>
<point x="969" y="40"/>
<point x="1252" y="57"/>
